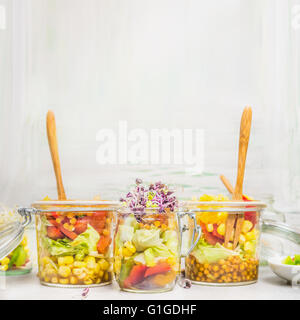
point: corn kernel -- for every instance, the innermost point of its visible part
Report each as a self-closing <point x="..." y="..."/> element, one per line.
<point x="4" y="267"/>
<point x="64" y="281"/>
<point x="157" y="223"/>
<point x="221" y="229"/>
<point x="105" y="232"/>
<point x="242" y="239"/>
<point x="73" y="280"/>
<point x="70" y="215"/>
<point x="50" y="271"/>
<point x="46" y="279"/>
<point x="45" y="260"/>
<point x="126" y="252"/>
<point x="210" y="227"/>
<point x="64" y="271"/>
<point x="78" y="271"/>
<point x="79" y="264"/>
<point x="247" y="226"/>
<point x="24" y="241"/>
<point x="249" y="246"/>
<point x="90" y="259"/>
<point x="82" y="276"/>
<point x="104" y="265"/>
<point x="91" y="265"/>
<point x="54" y="280"/>
<point x="171" y="261"/>
<point x="130" y="246"/>
<point x="251" y="235"/>
<point x="66" y="226"/>
<point x="88" y="281"/>
<point x="68" y="260"/>
<point x="5" y="261"/>
<point x="61" y="261"/>
<point x="101" y="273"/>
<point x="59" y="220"/>
<point x="73" y="220"/>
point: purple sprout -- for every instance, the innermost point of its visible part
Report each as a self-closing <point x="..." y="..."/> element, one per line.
<point x="157" y="195"/>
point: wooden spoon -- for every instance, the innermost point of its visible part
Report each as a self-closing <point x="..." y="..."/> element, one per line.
<point x="238" y="219"/>
<point x="227" y="184"/>
<point x="52" y="140"/>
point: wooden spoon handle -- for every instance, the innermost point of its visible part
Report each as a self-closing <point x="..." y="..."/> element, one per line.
<point x="52" y="140"/>
<point x="243" y="148"/>
<point x="227" y="184"/>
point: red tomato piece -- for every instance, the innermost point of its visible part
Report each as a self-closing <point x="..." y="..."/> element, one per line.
<point x="80" y="226"/>
<point x="162" y="267"/>
<point x="137" y="275"/>
<point x="54" y="233"/>
<point x="103" y="244"/>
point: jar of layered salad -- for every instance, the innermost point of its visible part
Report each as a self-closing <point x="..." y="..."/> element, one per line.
<point x="14" y="242"/>
<point x="227" y="251"/>
<point x="147" y="240"/>
<point x="74" y="242"/>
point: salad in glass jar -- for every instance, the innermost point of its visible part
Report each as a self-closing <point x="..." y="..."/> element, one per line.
<point x="74" y="243"/>
<point x="146" y="242"/>
<point x="17" y="262"/>
<point x="213" y="261"/>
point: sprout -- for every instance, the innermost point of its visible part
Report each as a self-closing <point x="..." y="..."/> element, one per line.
<point x="156" y="196"/>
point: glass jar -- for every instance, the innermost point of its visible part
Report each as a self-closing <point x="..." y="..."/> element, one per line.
<point x="147" y="252"/>
<point x="221" y="258"/>
<point x="74" y="242"/>
<point x="14" y="252"/>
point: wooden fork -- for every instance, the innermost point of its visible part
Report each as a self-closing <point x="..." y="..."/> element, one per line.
<point x="236" y="220"/>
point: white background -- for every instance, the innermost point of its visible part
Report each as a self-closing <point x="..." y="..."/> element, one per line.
<point x="157" y="64"/>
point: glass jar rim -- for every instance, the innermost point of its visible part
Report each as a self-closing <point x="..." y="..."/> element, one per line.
<point x="230" y="207"/>
<point x="74" y="205"/>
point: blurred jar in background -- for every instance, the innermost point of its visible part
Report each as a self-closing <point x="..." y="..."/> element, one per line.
<point x="17" y="262"/>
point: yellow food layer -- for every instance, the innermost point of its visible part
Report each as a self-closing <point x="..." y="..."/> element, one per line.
<point x="67" y="270"/>
<point x="212" y="217"/>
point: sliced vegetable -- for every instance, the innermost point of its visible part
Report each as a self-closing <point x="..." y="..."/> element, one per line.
<point x="21" y="259"/>
<point x="54" y="233"/>
<point x="293" y="261"/>
<point x="136" y="276"/>
<point x="103" y="244"/>
<point x="162" y="267"/>
<point x="125" y="270"/>
<point x="14" y="257"/>
<point x="162" y="280"/>
<point x="80" y="226"/>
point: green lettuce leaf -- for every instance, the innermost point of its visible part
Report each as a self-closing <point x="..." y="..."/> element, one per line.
<point x="209" y="254"/>
<point x="170" y="239"/>
<point x="85" y="243"/>
<point x="90" y="238"/>
<point x="156" y="253"/>
<point x="125" y="233"/>
<point x="144" y="239"/>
